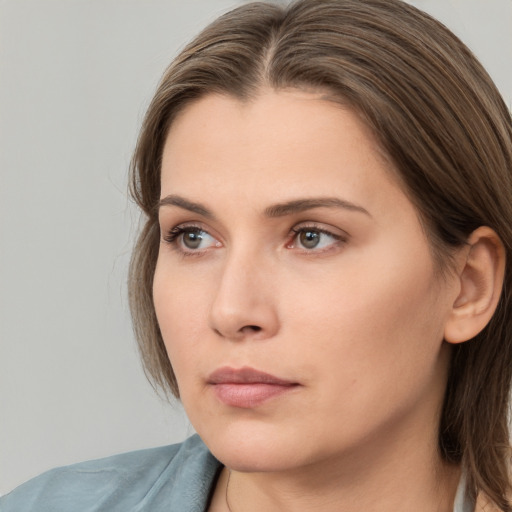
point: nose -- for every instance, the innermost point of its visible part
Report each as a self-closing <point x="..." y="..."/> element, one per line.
<point x="244" y="305"/>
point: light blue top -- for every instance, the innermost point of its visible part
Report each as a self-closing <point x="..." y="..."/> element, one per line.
<point x="177" y="478"/>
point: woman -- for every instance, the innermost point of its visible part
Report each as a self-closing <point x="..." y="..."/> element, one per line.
<point x="324" y="273"/>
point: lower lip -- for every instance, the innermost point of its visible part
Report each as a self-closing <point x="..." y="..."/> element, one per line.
<point x="247" y="396"/>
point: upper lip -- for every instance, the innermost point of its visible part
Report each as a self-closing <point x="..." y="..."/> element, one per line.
<point x="245" y="375"/>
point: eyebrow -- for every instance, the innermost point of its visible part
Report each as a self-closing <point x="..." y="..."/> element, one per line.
<point x="276" y="210"/>
<point x="181" y="202"/>
<point x="300" y="205"/>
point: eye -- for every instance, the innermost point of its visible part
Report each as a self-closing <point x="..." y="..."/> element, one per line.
<point x="311" y="238"/>
<point x="191" y="239"/>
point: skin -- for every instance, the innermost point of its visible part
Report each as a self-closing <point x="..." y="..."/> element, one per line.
<point x="357" y="320"/>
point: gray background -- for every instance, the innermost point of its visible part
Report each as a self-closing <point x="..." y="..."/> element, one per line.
<point x="75" y="78"/>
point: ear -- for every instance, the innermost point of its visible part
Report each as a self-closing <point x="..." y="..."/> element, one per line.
<point x="480" y="277"/>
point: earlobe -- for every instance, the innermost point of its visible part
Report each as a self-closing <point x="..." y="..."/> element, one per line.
<point x="481" y="280"/>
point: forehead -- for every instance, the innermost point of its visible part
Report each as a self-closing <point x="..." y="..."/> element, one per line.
<point x="274" y="147"/>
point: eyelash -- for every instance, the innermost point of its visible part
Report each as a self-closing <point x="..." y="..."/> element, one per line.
<point x="175" y="232"/>
<point x="172" y="238"/>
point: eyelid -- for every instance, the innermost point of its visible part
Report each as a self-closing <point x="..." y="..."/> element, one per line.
<point x="186" y="225"/>
<point x="322" y="227"/>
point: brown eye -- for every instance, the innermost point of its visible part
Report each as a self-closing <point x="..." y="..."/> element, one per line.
<point x="192" y="239"/>
<point x="189" y="239"/>
<point x="314" y="239"/>
<point x="309" y="239"/>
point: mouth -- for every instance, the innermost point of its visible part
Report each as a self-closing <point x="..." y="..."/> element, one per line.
<point x="246" y="387"/>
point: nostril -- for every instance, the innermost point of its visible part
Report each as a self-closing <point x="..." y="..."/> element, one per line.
<point x="246" y="329"/>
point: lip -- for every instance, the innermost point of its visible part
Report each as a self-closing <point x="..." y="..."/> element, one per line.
<point x="246" y="387"/>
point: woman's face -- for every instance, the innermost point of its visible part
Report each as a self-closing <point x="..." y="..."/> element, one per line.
<point x="295" y="289"/>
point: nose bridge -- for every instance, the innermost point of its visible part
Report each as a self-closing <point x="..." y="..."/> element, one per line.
<point x="243" y="305"/>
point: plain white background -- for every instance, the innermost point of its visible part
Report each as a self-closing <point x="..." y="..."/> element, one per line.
<point x="75" y="78"/>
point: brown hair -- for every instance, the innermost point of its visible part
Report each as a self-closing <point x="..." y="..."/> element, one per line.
<point x="439" y="118"/>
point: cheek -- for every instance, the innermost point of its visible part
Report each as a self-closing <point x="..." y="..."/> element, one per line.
<point x="373" y="318"/>
<point x="181" y="310"/>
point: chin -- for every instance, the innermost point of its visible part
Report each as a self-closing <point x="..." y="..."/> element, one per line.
<point x="254" y="450"/>
<point x="253" y="458"/>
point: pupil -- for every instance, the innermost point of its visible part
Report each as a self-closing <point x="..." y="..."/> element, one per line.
<point x="309" y="239"/>
<point x="192" y="239"/>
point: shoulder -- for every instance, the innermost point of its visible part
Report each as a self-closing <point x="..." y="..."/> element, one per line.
<point x="176" y="477"/>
